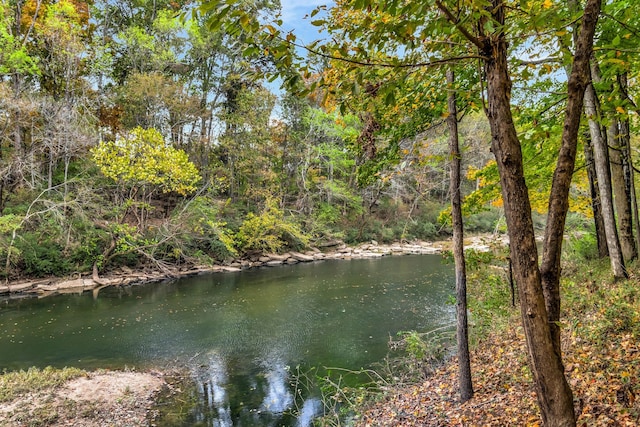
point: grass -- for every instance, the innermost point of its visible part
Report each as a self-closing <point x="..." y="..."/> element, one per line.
<point x="15" y="384"/>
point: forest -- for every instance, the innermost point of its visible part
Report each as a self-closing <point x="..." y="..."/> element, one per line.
<point x="132" y="136"/>
<point x="158" y="134"/>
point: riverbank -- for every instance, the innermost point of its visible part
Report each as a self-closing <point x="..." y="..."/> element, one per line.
<point x="72" y="397"/>
<point x="125" y="276"/>
<point x="601" y="354"/>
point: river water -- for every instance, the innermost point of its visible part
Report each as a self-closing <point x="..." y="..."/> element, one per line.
<point x="243" y="335"/>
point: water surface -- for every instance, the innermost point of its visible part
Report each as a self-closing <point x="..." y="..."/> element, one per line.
<point x="242" y="334"/>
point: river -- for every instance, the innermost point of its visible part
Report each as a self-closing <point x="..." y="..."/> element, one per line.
<point x="243" y="335"/>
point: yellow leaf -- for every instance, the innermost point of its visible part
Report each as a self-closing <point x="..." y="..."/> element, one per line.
<point x="620" y="110"/>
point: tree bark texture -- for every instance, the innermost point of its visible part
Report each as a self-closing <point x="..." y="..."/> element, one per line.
<point x="621" y="191"/>
<point x="603" y="173"/>
<point x="601" y="238"/>
<point x="625" y="134"/>
<point x="462" y="330"/>
<point x="553" y="392"/>
<point x="579" y="78"/>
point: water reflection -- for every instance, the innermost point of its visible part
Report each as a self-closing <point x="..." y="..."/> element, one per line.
<point x="277" y="398"/>
<point x="271" y="401"/>
<point x="311" y="408"/>
<point x="212" y="388"/>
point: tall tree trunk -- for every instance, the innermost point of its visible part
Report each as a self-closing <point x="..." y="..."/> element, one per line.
<point x="554" y="395"/>
<point x="621" y="192"/>
<point x="596" y="206"/>
<point x="462" y="331"/>
<point x="625" y="134"/>
<point x="604" y="183"/>
<point x="559" y="197"/>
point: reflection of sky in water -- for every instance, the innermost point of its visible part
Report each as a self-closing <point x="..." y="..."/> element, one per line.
<point x="277" y="398"/>
<point x="310" y="409"/>
<point x="212" y="387"/>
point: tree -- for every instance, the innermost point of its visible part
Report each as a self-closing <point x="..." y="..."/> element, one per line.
<point x="142" y="164"/>
<point x="412" y="27"/>
<point x="59" y="36"/>
<point x="611" y="61"/>
<point x="603" y="175"/>
<point x="464" y="362"/>
<point x="14" y="57"/>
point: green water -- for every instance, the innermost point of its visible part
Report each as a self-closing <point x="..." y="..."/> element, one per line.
<point x="241" y="334"/>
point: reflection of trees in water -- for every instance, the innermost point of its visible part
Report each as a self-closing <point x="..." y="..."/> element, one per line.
<point x="212" y="388"/>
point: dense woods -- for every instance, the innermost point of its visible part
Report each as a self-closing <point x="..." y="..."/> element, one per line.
<point x="166" y="133"/>
<point x="134" y="134"/>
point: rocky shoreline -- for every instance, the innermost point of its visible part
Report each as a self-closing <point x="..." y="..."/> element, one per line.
<point x="125" y="276"/>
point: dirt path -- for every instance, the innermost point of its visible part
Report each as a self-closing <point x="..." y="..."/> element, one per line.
<point x="102" y="398"/>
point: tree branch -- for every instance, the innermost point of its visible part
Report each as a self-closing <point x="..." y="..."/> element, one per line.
<point x="455" y="21"/>
<point x="538" y="61"/>
<point x="386" y="64"/>
<point x="627" y="27"/>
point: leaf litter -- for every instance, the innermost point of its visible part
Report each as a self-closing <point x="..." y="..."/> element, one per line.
<point x="601" y="355"/>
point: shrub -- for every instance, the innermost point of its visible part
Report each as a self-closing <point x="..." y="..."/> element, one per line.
<point x="484" y="221"/>
<point x="42" y="257"/>
<point x="270" y="232"/>
<point x="199" y="231"/>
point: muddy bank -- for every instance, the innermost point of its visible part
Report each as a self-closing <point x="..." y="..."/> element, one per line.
<point x="126" y="276"/>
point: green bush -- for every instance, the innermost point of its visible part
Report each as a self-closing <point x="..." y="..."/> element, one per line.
<point x="41" y="257"/>
<point x="200" y="231"/>
<point x="270" y="231"/>
<point x="489" y="299"/>
<point x="423" y="229"/>
<point x="88" y="245"/>
<point x="328" y="214"/>
<point x="484" y="222"/>
<point x="582" y="246"/>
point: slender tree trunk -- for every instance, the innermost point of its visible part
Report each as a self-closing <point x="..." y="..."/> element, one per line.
<point x="621" y="193"/>
<point x="559" y="197"/>
<point x="630" y="180"/>
<point x="554" y="394"/>
<point x="462" y="331"/>
<point x="625" y="133"/>
<point x="601" y="238"/>
<point x="604" y="184"/>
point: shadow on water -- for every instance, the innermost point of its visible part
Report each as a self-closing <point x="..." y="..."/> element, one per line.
<point x="239" y="334"/>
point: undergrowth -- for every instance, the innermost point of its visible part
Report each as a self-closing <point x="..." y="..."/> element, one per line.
<point x="600" y="347"/>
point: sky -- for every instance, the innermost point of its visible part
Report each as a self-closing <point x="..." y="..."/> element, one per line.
<point x="293" y="13"/>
